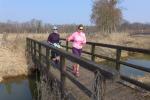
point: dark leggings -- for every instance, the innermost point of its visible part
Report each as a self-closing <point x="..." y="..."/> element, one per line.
<point x="77" y="51"/>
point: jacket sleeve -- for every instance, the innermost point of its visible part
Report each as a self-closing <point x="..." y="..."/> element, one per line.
<point x="71" y="37"/>
<point x="49" y="38"/>
<point x="84" y="39"/>
<point x="59" y="38"/>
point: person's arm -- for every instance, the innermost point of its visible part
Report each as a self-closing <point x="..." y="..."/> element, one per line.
<point x="84" y="39"/>
<point x="49" y="38"/>
<point x="59" y="39"/>
<point x="70" y="38"/>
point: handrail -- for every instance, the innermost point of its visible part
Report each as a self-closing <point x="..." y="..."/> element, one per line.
<point x="106" y="72"/>
<point x="117" y="60"/>
<point x="140" y="50"/>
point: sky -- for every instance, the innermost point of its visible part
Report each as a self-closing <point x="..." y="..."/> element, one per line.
<point x="136" y="10"/>
<point x="67" y="11"/>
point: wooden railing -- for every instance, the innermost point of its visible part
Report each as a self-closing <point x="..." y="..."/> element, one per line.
<point x="34" y="49"/>
<point x="117" y="60"/>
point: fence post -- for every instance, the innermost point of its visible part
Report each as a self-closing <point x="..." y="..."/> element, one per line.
<point x="67" y="44"/>
<point x="39" y="54"/>
<point x="93" y="52"/>
<point x="34" y="49"/>
<point x="118" y="55"/>
<point x="27" y="45"/>
<point x="30" y="45"/>
<point x="47" y="57"/>
<point x="63" y="77"/>
<point x="32" y="52"/>
<point x="99" y="86"/>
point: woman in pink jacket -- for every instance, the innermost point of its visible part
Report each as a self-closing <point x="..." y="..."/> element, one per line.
<point x="79" y="40"/>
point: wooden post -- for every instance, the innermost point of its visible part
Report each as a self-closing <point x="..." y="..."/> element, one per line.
<point x="47" y="57"/>
<point x="63" y="77"/>
<point x="118" y="55"/>
<point x="67" y="45"/>
<point x="99" y="86"/>
<point x="34" y="55"/>
<point x="27" y="45"/>
<point x="39" y="54"/>
<point x="34" y="49"/>
<point x="93" y="52"/>
<point x="30" y="42"/>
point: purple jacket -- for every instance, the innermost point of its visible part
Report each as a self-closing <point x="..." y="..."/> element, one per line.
<point x="53" y="38"/>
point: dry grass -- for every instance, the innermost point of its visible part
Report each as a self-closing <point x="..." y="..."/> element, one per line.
<point x="12" y="48"/>
<point x="123" y="39"/>
<point x="12" y="54"/>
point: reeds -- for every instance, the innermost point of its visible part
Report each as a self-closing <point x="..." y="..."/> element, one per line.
<point x="47" y="89"/>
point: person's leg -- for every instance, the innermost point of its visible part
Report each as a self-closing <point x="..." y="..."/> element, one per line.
<point x="77" y="70"/>
<point x="76" y="66"/>
<point x="74" y="51"/>
<point x="57" y="57"/>
<point x="57" y="60"/>
<point x="52" y="55"/>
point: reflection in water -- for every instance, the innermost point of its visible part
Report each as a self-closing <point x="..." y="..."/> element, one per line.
<point x="141" y="60"/>
<point x="8" y="88"/>
<point x="134" y="72"/>
<point x="17" y="89"/>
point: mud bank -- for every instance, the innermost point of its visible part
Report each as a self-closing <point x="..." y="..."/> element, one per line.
<point x="12" y="63"/>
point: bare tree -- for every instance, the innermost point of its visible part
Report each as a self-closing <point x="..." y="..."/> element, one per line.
<point x="106" y="15"/>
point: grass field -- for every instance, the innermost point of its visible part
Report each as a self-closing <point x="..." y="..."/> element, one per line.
<point x="12" y="48"/>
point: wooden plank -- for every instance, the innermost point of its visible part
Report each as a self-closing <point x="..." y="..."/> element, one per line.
<point x="93" y="52"/>
<point x="140" y="50"/>
<point x="135" y="82"/>
<point x="118" y="55"/>
<point x="62" y="76"/>
<point x="135" y="66"/>
<point x="78" y="84"/>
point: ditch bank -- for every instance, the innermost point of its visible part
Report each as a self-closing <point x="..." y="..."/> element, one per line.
<point x="12" y="63"/>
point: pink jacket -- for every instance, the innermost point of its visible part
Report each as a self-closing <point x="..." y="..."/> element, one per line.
<point x="78" y="39"/>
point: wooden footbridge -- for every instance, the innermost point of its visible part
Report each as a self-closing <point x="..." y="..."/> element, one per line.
<point x="96" y="81"/>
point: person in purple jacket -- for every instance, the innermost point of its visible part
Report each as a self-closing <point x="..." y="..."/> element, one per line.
<point x="53" y="39"/>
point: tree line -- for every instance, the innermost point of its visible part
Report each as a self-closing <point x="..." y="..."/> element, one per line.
<point x="37" y="26"/>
